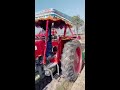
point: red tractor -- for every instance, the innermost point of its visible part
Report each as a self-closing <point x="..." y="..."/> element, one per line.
<point x="56" y="52"/>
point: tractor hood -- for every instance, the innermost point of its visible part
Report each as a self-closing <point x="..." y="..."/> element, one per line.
<point x="39" y="48"/>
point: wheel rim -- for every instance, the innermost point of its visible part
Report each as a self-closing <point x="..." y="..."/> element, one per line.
<point x="77" y="65"/>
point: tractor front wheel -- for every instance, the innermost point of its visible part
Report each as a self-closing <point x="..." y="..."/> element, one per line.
<point x="71" y="60"/>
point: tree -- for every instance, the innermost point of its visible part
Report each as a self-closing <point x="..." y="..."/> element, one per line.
<point x="77" y="22"/>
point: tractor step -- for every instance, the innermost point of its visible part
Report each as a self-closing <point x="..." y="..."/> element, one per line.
<point x="51" y="65"/>
<point x="50" y="69"/>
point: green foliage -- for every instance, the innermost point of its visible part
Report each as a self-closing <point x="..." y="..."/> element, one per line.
<point x="77" y="22"/>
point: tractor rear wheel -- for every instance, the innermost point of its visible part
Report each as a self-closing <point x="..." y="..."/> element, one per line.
<point x="71" y="60"/>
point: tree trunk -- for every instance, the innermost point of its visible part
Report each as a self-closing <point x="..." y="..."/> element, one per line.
<point x="77" y="30"/>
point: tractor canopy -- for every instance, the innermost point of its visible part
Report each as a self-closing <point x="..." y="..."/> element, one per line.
<point x="54" y="16"/>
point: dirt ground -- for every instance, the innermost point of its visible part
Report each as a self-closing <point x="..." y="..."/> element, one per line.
<point x="80" y="82"/>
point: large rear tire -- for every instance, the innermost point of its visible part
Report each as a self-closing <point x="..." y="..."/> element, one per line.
<point x="71" y="60"/>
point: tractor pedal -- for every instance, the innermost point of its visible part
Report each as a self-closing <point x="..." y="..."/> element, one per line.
<point x="51" y="65"/>
<point x="56" y="76"/>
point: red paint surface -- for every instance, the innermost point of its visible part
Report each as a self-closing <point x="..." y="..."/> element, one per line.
<point x="77" y="60"/>
<point x="40" y="48"/>
<point x="44" y="57"/>
<point x="65" y="30"/>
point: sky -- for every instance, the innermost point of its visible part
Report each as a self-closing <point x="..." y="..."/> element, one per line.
<point x="69" y="7"/>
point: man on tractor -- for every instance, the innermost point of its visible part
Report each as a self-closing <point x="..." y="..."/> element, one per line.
<point x="54" y="33"/>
